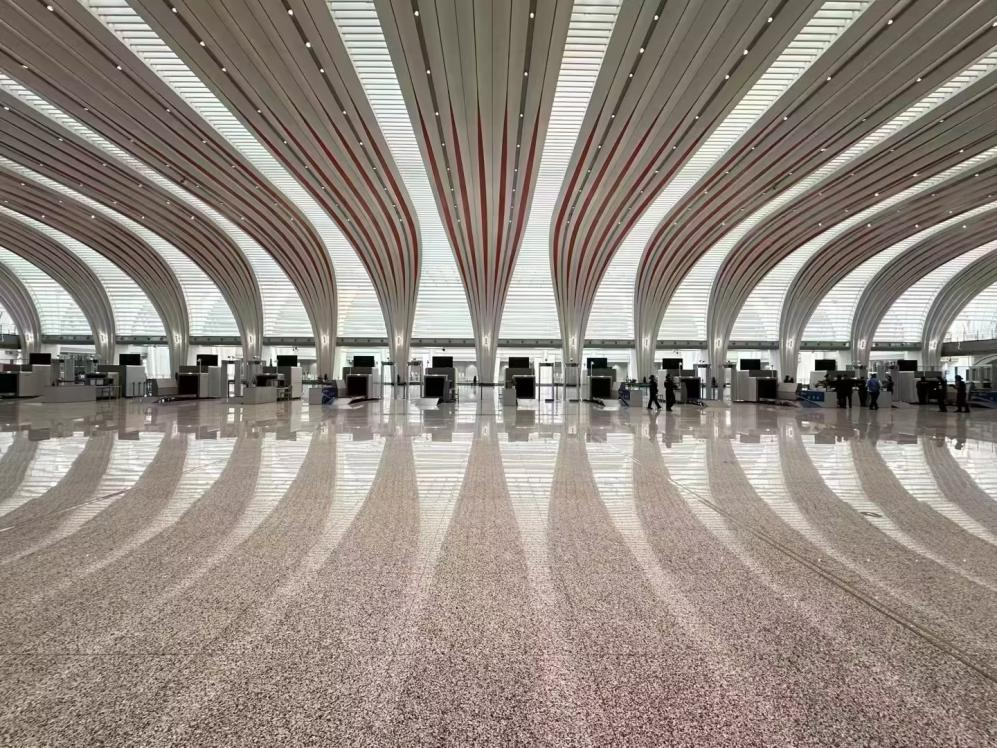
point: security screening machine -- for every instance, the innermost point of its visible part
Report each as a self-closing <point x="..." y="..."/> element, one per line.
<point x="443" y="366"/>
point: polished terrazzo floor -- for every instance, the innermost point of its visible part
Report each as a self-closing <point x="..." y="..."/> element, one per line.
<point x="398" y="573"/>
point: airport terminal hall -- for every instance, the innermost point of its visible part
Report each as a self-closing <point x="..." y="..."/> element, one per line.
<point x="498" y="373"/>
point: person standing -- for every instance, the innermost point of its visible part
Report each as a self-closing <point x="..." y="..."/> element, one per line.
<point x="942" y="393"/>
<point x="841" y="390"/>
<point x="961" y="395"/>
<point x="863" y="389"/>
<point x="652" y="391"/>
<point x="669" y="392"/>
<point x="872" y="387"/>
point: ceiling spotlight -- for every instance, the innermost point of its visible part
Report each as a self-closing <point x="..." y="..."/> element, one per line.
<point x="49" y="8"/>
<point x="890" y="22"/>
<point x="290" y="12"/>
<point x="770" y="20"/>
<point x="417" y="14"/>
<point x="308" y="45"/>
<point x="202" y="43"/>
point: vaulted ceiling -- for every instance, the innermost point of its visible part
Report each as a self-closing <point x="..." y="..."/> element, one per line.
<point x="654" y="173"/>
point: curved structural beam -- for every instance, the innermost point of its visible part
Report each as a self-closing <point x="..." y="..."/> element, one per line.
<point x="70" y="272"/>
<point x="285" y="72"/>
<point x="38" y="143"/>
<point x="907" y="269"/>
<point x="966" y="285"/>
<point x="941" y="139"/>
<point x="129" y="253"/>
<point x="18" y="302"/>
<point x="670" y="75"/>
<point x="70" y="58"/>
<point x="935" y="215"/>
<point x="478" y="78"/>
<point x="867" y="76"/>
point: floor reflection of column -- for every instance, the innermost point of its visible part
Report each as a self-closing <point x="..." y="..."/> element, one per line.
<point x="29" y="469"/>
<point x="642" y="659"/>
<point x="128" y="462"/>
<point x="966" y="473"/>
<point x="50" y="488"/>
<point x="479" y="664"/>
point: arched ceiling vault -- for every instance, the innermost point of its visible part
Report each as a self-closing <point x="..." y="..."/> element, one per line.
<point x="18" y="302"/>
<point x="889" y="57"/>
<point x="952" y="299"/>
<point x="39" y="144"/>
<point x="478" y="80"/>
<point x="705" y="155"/>
<point x="949" y="214"/>
<point x="905" y="271"/>
<point x="283" y="70"/>
<point x="125" y="250"/>
<point x="71" y="273"/>
<point x="876" y="187"/>
<point x="671" y="73"/>
<point x="71" y="59"/>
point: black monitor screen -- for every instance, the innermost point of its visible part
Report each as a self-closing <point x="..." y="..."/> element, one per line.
<point x="526" y="388"/>
<point x="826" y="364"/>
<point x="187" y="384"/>
<point x="671" y="363"/>
<point x="287" y="360"/>
<point x="363" y="362"/>
<point x="207" y="359"/>
<point x="597" y="363"/>
<point x="519" y="362"/>
<point x="356" y="385"/>
<point x="42" y="359"/>
<point x="750" y="364"/>
<point x="433" y="386"/>
<point x="129" y="359"/>
<point x="602" y="388"/>
<point x="768" y="389"/>
<point x="442" y="362"/>
<point x="908" y="364"/>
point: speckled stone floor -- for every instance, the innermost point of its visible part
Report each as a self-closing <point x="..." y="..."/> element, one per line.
<point x="395" y="573"/>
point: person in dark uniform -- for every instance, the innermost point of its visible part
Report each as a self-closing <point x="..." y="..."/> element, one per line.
<point x="922" y="391"/>
<point x="942" y="392"/>
<point x="669" y="392"/>
<point x="862" y="388"/>
<point x="652" y="391"/>
<point x="961" y="395"/>
<point x="841" y="390"/>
